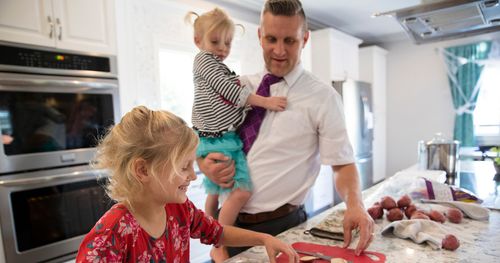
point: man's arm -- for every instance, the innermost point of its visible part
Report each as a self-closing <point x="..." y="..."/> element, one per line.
<point x="218" y="168"/>
<point x="348" y="186"/>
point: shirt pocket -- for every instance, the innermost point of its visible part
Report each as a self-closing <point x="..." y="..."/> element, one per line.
<point x="291" y="125"/>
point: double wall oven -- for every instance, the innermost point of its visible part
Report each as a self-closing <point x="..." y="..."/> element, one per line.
<point x="54" y="106"/>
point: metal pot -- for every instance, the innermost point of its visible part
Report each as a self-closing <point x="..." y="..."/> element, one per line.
<point x="440" y="154"/>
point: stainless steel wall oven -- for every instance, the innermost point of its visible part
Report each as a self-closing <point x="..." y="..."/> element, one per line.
<point x="54" y="106"/>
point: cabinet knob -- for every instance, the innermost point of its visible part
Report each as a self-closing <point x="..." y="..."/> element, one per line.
<point x="51" y="24"/>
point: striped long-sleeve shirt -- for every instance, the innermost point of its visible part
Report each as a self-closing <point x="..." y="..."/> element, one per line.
<point x="219" y="99"/>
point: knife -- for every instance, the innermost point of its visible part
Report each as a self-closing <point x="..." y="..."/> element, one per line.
<point x="319" y="255"/>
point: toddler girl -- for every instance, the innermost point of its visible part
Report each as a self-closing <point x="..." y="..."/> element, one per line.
<point x="150" y="156"/>
<point x="218" y="110"/>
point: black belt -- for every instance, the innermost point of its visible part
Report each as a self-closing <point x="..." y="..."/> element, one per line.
<point x="281" y="211"/>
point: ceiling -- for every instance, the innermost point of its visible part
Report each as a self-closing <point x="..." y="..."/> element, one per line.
<point x="350" y="16"/>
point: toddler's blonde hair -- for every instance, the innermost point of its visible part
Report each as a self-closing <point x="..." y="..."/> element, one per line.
<point x="209" y="22"/>
<point x="159" y="137"/>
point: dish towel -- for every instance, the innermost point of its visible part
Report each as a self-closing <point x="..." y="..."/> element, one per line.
<point x="471" y="210"/>
<point x="418" y="230"/>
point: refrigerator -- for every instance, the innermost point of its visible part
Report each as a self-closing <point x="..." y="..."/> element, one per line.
<point x="358" y="111"/>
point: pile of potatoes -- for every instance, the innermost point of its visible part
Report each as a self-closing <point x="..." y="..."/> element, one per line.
<point x="404" y="207"/>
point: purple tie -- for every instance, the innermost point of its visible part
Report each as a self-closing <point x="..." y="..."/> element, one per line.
<point x="250" y="128"/>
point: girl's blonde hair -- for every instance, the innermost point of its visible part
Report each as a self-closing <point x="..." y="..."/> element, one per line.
<point x="159" y="137"/>
<point x="210" y="21"/>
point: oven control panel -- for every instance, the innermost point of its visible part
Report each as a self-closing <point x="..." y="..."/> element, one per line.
<point x="39" y="58"/>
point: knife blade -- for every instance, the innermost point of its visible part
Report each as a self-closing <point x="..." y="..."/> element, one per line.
<point x="319" y="255"/>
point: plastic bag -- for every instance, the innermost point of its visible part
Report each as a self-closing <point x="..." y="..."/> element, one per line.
<point x="428" y="189"/>
<point x="420" y="185"/>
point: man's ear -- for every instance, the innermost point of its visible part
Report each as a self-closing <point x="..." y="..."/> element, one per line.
<point x="306" y="38"/>
<point x="141" y="170"/>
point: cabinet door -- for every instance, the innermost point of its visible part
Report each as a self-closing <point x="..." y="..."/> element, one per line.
<point x="27" y="21"/>
<point x="85" y="25"/>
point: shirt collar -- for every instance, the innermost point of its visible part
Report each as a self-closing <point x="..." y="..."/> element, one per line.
<point x="293" y="75"/>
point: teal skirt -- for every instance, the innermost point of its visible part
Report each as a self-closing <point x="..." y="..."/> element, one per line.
<point x="230" y="145"/>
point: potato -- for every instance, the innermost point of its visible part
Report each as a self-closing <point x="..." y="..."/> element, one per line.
<point x="376" y="212"/>
<point x="437" y="216"/>
<point x="409" y="210"/>
<point x="450" y="242"/>
<point x="454" y="215"/>
<point x="419" y="215"/>
<point x="395" y="214"/>
<point x="388" y="203"/>
<point x="404" y="201"/>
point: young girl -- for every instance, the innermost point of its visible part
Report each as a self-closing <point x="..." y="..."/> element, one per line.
<point x="150" y="156"/>
<point x="219" y="108"/>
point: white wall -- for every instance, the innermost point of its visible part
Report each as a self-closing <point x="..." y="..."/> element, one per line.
<point x="143" y="26"/>
<point x="418" y="97"/>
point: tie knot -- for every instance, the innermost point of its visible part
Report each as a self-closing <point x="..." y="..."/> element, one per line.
<point x="271" y="79"/>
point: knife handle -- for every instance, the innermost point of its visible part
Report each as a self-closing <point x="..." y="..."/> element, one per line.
<point x="317" y="232"/>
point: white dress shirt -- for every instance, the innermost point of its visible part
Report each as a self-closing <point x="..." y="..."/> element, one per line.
<point x="285" y="159"/>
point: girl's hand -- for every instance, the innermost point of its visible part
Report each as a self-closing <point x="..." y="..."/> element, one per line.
<point x="275" y="103"/>
<point x="274" y="246"/>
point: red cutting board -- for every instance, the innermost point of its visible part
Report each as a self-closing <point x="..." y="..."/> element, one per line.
<point x="333" y="251"/>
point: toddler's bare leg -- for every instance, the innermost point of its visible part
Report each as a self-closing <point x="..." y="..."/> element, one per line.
<point x="227" y="216"/>
<point x="212" y="204"/>
<point x="232" y="206"/>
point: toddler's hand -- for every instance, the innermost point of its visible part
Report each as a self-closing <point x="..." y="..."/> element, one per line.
<point x="276" y="103"/>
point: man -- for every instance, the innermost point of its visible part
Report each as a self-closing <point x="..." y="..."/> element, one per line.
<point x="285" y="158"/>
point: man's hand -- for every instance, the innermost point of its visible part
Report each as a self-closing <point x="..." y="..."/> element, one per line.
<point x="348" y="186"/>
<point x="357" y="217"/>
<point x="218" y="168"/>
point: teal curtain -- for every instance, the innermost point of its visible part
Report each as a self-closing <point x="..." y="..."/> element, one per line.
<point x="464" y="70"/>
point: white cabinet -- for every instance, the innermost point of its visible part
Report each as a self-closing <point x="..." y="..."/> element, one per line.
<point x="334" y="55"/>
<point x="372" y="69"/>
<point x="83" y="25"/>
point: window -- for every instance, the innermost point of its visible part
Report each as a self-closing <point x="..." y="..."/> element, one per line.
<point x="176" y="80"/>
<point x="487" y="112"/>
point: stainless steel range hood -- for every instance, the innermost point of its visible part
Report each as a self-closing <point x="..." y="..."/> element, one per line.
<point x="448" y="19"/>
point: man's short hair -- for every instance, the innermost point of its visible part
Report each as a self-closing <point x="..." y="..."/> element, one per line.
<point x="286" y="8"/>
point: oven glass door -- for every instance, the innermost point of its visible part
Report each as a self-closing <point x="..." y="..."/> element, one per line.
<point x="34" y="122"/>
<point x="50" y="214"/>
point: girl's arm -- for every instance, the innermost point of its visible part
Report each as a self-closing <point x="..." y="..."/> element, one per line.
<point x="270" y="103"/>
<point x="238" y="237"/>
<point x="214" y="73"/>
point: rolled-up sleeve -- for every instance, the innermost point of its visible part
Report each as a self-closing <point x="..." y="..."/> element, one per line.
<point x="334" y="145"/>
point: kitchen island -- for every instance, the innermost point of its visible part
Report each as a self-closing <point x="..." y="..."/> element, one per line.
<point x="480" y="240"/>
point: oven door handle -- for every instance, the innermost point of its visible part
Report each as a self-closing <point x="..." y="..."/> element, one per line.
<point x="50" y="178"/>
<point x="58" y="83"/>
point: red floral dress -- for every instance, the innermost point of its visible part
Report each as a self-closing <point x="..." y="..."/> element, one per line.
<point x="117" y="237"/>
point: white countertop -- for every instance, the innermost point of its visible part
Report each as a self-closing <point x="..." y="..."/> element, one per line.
<point x="480" y="240"/>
